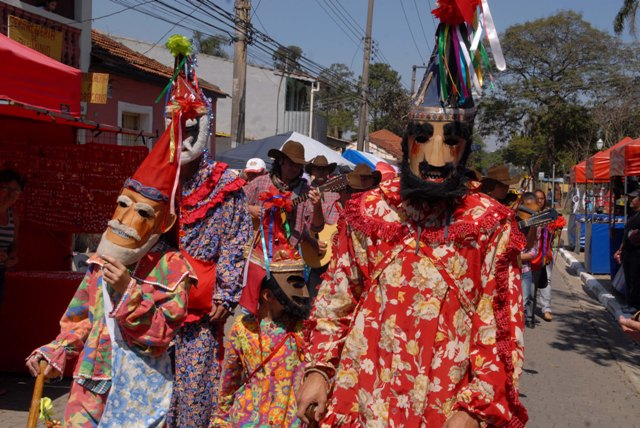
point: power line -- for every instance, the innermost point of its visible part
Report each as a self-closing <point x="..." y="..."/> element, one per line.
<point x="422" y="26"/>
<point x="259" y="40"/>
<point x="404" y="12"/>
<point x="342" y="28"/>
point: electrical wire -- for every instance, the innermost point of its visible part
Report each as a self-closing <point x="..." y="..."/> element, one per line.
<point x="406" y="19"/>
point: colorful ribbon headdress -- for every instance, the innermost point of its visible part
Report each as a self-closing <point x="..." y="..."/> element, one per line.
<point x="455" y="71"/>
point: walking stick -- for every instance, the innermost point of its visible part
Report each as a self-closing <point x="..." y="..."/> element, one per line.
<point x="34" y="410"/>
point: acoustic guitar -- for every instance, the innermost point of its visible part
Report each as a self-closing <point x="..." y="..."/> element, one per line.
<point x="310" y="253"/>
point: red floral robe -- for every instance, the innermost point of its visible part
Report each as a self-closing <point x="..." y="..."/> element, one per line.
<point x="405" y="348"/>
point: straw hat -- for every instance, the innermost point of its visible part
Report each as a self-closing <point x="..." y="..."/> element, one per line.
<point x="320" y="162"/>
<point x="291" y="149"/>
<point x="363" y="178"/>
<point x="501" y="173"/>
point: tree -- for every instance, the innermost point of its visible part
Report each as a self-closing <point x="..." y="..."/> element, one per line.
<point x="287" y="59"/>
<point x="481" y="159"/>
<point x="211" y="45"/>
<point x="626" y="14"/>
<point x="338" y="99"/>
<point x="388" y="101"/>
<point x="560" y="73"/>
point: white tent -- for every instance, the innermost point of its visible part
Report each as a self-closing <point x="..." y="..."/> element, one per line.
<point x="237" y="158"/>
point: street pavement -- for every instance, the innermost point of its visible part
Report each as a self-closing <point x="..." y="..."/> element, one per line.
<point x="580" y="369"/>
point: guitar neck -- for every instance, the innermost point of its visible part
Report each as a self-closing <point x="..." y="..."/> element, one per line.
<point x="335" y="184"/>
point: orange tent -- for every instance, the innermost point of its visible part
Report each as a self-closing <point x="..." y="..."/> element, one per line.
<point x="578" y="173"/>
<point x="625" y="160"/>
<point x="598" y="164"/>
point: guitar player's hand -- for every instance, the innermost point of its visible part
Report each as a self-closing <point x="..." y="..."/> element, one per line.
<point x="315" y="197"/>
<point x="322" y="247"/>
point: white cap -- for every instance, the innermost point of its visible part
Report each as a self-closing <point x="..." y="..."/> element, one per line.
<point x="255" y="165"/>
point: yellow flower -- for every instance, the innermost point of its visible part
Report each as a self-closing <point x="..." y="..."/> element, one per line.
<point x="385" y="375"/>
<point x="46" y="406"/>
<point x="412" y="347"/>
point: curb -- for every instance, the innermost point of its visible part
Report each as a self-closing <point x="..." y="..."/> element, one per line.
<point x="593" y="287"/>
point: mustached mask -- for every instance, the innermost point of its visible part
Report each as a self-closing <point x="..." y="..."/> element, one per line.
<point x="437" y="141"/>
<point x="188" y="110"/>
<point x="145" y="206"/>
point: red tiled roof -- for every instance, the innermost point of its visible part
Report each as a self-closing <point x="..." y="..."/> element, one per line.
<point x="103" y="45"/>
<point x="387" y="141"/>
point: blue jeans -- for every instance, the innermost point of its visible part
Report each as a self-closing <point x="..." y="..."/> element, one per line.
<point x="527" y="289"/>
<point x="544" y="294"/>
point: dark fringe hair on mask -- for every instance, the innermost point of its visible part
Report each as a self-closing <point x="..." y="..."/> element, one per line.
<point x="299" y="311"/>
<point x="416" y="189"/>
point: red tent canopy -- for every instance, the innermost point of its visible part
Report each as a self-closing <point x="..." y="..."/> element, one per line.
<point x="578" y="173"/>
<point x="598" y="164"/>
<point x="625" y="160"/>
<point x="32" y="78"/>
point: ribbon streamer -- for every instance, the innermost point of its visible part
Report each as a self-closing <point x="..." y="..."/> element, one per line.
<point x="492" y="35"/>
<point x="467" y="58"/>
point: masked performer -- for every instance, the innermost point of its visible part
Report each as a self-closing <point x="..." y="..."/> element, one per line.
<point x="127" y="309"/>
<point x="419" y="319"/>
<point x="214" y="227"/>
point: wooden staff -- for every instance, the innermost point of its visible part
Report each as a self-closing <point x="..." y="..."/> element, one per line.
<point x="311" y="415"/>
<point x="34" y="410"/>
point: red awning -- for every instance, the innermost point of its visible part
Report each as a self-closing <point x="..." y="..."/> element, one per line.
<point x="625" y="160"/>
<point x="578" y="173"/>
<point x="32" y="78"/>
<point x="598" y="164"/>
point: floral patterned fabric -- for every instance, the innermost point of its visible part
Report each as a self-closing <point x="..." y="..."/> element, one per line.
<point x="148" y="313"/>
<point x="406" y="347"/>
<point x="198" y="358"/>
<point x="218" y="226"/>
<point x="268" y="398"/>
<point x="214" y="228"/>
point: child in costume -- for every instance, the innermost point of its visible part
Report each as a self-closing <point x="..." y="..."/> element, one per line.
<point x="263" y="364"/>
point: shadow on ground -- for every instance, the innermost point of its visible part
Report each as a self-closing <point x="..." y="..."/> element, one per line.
<point x="583" y="328"/>
<point x="19" y="389"/>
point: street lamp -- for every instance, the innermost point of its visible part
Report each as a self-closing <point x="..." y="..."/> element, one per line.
<point x="599" y="144"/>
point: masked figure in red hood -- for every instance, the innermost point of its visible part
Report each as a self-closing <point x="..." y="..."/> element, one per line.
<point x="419" y="321"/>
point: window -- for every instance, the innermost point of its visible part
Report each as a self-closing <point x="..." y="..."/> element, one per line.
<point x="136" y="117"/>
<point x="297" y="95"/>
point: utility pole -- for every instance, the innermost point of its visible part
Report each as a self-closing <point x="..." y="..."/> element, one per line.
<point x="364" y="93"/>
<point x="239" y="72"/>
<point x="413" y="78"/>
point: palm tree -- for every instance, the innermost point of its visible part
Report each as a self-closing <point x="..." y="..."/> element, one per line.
<point x="626" y="14"/>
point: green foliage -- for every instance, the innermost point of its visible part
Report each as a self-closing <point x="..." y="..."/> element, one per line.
<point x="481" y="159"/>
<point x="626" y="14"/>
<point x="566" y="84"/>
<point x="212" y="45"/>
<point x="337" y="99"/>
<point x="388" y="101"/>
<point x="287" y="59"/>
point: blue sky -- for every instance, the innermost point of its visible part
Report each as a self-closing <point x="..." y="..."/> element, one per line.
<point x="402" y="41"/>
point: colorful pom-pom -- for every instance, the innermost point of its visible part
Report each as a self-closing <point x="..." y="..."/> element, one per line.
<point x="455" y="12"/>
<point x="179" y="45"/>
